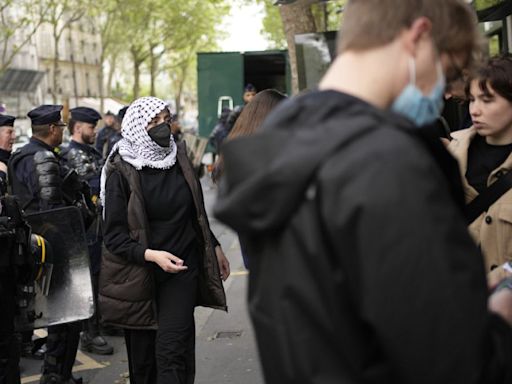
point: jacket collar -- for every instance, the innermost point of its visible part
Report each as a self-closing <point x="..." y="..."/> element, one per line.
<point x="459" y="146"/>
<point x="34" y="140"/>
<point x="84" y="147"/>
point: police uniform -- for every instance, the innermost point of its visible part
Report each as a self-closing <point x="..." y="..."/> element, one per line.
<point x="85" y="159"/>
<point x="88" y="162"/>
<point x="5" y="121"/>
<point x="9" y="344"/>
<point x="36" y="175"/>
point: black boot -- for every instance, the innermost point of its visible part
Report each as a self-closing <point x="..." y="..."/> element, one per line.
<point x="51" y="378"/>
<point x="97" y="344"/>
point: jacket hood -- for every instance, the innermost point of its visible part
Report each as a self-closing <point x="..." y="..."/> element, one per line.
<point x="266" y="175"/>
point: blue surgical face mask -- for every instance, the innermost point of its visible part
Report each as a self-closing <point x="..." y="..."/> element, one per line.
<point x="414" y="105"/>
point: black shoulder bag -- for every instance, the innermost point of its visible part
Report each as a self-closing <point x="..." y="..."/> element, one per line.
<point x="488" y="197"/>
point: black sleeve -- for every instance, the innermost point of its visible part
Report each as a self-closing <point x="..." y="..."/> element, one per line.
<point x="116" y="234"/>
<point x="100" y="140"/>
<point x="25" y="172"/>
<point x="415" y="274"/>
<point x="3" y="183"/>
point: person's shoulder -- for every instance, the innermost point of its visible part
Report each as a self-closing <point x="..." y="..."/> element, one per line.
<point x="386" y="150"/>
<point x="25" y="153"/>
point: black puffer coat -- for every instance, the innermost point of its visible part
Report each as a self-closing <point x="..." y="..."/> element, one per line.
<point x="126" y="289"/>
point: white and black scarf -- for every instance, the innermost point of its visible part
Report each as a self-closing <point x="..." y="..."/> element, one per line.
<point x="136" y="147"/>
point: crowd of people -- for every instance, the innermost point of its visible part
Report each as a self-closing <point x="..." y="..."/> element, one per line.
<point x="354" y="216"/>
<point x="379" y="245"/>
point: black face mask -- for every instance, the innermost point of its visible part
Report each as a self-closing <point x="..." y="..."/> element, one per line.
<point x="161" y="134"/>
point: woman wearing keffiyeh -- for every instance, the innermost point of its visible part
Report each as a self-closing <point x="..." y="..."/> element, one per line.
<point x="162" y="259"/>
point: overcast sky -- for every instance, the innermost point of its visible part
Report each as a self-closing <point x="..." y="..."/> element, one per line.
<point x="243" y="27"/>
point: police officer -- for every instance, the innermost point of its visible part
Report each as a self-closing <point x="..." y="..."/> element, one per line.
<point x="81" y="156"/>
<point x="108" y="135"/>
<point x="7" y="137"/>
<point x="36" y="176"/>
<point x="9" y="344"/>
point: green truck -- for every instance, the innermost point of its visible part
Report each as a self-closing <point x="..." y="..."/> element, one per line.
<point x="223" y="75"/>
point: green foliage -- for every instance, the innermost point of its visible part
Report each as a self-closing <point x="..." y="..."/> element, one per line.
<point x="139" y="37"/>
<point x="158" y="38"/>
<point x="482" y="4"/>
<point x="494" y="46"/>
<point x="273" y="28"/>
<point x="328" y="15"/>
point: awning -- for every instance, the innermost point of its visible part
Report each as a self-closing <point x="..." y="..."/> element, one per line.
<point x="20" y="80"/>
<point x="492" y="10"/>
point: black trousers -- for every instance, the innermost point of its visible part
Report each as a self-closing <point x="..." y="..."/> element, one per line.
<point x="167" y="356"/>
<point x="62" y="346"/>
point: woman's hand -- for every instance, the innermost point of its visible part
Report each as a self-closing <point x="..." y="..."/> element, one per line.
<point x="223" y="263"/>
<point x="165" y="260"/>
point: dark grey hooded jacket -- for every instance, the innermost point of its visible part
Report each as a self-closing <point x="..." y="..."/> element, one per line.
<point x="362" y="270"/>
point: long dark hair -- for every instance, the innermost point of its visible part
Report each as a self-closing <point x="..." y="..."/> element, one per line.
<point x="255" y="112"/>
<point x="250" y="120"/>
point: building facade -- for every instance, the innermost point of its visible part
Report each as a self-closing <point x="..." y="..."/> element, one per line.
<point x="30" y="78"/>
<point x="78" y="62"/>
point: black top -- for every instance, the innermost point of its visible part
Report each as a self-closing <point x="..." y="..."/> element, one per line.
<point x="170" y="209"/>
<point x="484" y="158"/>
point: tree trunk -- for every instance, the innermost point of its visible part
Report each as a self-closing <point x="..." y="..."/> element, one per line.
<point x="179" y="90"/>
<point x="297" y="18"/>
<point x="136" y="77"/>
<point x="153" y="63"/>
<point x="111" y="71"/>
<point x="177" y="98"/>
<point x="101" y="79"/>
<point x="177" y="102"/>
<point x="56" y="69"/>
<point x="73" y="69"/>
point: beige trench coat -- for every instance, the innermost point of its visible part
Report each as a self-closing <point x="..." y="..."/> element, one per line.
<point x="493" y="229"/>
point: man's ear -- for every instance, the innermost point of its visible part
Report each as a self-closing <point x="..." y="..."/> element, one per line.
<point x="412" y="36"/>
